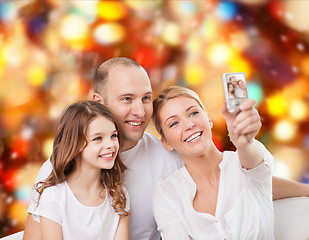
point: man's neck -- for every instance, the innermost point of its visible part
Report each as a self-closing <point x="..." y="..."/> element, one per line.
<point x="127" y="145"/>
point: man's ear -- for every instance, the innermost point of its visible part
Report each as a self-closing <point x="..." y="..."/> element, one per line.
<point x="167" y="146"/>
<point x="97" y="97"/>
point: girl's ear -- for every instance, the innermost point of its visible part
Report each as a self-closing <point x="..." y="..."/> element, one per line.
<point x="167" y="146"/>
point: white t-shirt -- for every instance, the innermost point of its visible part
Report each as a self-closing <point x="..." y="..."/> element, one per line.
<point x="244" y="205"/>
<point x="147" y="163"/>
<point x="77" y="221"/>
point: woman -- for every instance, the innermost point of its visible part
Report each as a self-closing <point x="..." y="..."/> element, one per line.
<point x="242" y="89"/>
<point x="84" y="196"/>
<point x="216" y="195"/>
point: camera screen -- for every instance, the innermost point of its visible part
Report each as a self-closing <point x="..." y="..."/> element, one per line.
<point x="236" y="85"/>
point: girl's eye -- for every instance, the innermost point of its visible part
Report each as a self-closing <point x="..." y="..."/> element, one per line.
<point x="173" y="124"/>
<point x="97" y="139"/>
<point x="193" y="114"/>
<point x="115" y="135"/>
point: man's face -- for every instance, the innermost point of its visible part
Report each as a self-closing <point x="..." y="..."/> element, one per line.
<point x="233" y="81"/>
<point x="128" y="95"/>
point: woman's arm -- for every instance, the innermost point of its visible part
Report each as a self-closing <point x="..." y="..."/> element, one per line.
<point x="50" y="230"/>
<point x="242" y="128"/>
<point x="247" y="123"/>
<point x="122" y="232"/>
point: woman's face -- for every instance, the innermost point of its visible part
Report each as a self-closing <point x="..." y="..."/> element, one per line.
<point x="241" y="84"/>
<point x="186" y="126"/>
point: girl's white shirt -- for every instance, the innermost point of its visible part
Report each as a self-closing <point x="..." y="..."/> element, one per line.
<point x="79" y="222"/>
<point x="244" y="205"/>
<point x="147" y="163"/>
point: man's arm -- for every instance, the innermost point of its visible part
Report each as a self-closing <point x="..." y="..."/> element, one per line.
<point x="283" y="188"/>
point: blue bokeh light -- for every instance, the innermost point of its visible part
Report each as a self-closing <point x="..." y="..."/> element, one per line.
<point x="226" y="10"/>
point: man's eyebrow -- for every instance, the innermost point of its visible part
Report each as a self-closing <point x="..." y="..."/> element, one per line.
<point x="131" y="94"/>
<point x="126" y="94"/>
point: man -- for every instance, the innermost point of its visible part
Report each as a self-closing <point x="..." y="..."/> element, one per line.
<point x="237" y="90"/>
<point x="124" y="86"/>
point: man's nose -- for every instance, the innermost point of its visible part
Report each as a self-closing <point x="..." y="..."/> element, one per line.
<point x="138" y="108"/>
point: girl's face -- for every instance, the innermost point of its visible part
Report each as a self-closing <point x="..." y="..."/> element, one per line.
<point x="231" y="88"/>
<point x="186" y="126"/>
<point x="102" y="144"/>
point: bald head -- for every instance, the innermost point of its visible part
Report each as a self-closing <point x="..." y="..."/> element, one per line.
<point x="102" y="73"/>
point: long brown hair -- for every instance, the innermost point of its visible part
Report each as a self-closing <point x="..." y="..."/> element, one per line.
<point x="70" y="139"/>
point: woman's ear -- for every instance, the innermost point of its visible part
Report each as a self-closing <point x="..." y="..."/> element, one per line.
<point x="210" y="123"/>
<point x="167" y="146"/>
<point x="97" y="98"/>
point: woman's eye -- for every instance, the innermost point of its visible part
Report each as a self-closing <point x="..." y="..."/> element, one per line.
<point x="173" y="124"/>
<point x="193" y="114"/>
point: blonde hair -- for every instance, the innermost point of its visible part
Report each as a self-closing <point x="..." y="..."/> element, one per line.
<point x="167" y="94"/>
<point x="68" y="144"/>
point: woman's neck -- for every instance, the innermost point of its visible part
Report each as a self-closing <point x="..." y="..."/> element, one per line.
<point x="206" y="166"/>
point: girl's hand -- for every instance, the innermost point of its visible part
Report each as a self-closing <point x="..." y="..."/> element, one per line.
<point x="244" y="125"/>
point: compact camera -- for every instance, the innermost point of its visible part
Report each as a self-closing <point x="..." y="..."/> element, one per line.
<point x="235" y="90"/>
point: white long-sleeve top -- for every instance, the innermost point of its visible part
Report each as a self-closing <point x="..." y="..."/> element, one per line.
<point x="244" y="205"/>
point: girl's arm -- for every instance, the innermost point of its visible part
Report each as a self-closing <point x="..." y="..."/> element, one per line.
<point x="32" y="229"/>
<point x="50" y="230"/>
<point x="122" y="232"/>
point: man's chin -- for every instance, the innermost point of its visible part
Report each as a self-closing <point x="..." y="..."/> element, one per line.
<point x="129" y="142"/>
<point x="133" y="137"/>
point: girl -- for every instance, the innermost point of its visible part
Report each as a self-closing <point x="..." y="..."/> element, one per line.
<point x="230" y="89"/>
<point x="215" y="195"/>
<point x="84" y="197"/>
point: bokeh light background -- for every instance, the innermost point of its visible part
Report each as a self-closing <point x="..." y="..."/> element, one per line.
<point x="49" y="50"/>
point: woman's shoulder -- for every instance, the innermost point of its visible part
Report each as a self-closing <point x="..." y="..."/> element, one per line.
<point x="174" y="182"/>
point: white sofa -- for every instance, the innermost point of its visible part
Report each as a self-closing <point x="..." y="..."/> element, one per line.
<point x="15" y="236"/>
<point x="291" y="220"/>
